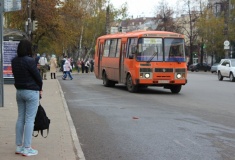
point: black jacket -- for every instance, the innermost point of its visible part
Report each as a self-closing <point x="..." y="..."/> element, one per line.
<point x="26" y="73"/>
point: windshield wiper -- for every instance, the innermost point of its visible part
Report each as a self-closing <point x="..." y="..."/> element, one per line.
<point x="151" y="58"/>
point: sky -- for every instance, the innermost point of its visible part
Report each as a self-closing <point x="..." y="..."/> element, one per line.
<point x="141" y="8"/>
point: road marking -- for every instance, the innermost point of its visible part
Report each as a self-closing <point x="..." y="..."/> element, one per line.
<point x="177" y="142"/>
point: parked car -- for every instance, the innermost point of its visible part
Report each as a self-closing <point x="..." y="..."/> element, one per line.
<point x="226" y="69"/>
<point x="199" y="67"/>
<point x="214" y="67"/>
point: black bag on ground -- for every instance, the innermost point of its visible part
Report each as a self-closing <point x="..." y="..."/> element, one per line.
<point x="41" y="122"/>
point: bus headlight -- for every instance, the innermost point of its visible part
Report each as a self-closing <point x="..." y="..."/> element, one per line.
<point x="146" y="75"/>
<point x="178" y="75"/>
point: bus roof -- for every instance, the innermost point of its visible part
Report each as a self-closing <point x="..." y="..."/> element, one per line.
<point x="144" y="34"/>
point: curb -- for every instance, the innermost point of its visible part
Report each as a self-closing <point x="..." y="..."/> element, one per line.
<point x="76" y="142"/>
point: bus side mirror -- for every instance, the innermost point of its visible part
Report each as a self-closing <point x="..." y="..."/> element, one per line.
<point x="133" y="50"/>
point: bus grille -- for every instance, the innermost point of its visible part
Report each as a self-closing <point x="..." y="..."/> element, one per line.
<point x="145" y="69"/>
<point x="180" y="70"/>
<point x="164" y="70"/>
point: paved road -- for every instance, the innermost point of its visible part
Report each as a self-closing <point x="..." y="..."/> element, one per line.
<point x="154" y="124"/>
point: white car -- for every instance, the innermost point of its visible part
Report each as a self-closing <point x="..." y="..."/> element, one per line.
<point x="226" y="69"/>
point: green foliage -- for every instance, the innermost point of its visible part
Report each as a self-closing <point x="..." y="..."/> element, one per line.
<point x="211" y="29"/>
<point x="64" y="29"/>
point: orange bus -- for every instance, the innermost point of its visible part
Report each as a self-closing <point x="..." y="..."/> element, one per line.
<point x="140" y="59"/>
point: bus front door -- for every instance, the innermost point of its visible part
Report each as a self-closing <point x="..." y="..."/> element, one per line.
<point x="121" y="67"/>
<point x="100" y="60"/>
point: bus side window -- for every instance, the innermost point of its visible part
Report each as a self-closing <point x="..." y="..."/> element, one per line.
<point x="113" y="48"/>
<point x="131" y="43"/>
<point x="101" y="51"/>
<point x="118" y="48"/>
<point x="106" y="48"/>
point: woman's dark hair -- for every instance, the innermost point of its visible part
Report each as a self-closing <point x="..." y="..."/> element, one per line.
<point x="24" y="48"/>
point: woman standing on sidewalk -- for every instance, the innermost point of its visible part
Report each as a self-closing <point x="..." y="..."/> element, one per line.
<point x="53" y="66"/>
<point x="28" y="84"/>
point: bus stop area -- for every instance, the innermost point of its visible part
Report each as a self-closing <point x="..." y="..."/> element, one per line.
<point x="62" y="142"/>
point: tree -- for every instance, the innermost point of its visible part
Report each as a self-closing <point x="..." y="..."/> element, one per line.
<point x="188" y="26"/>
<point x="46" y="14"/>
<point x="211" y="28"/>
<point x="164" y="17"/>
<point x="69" y="27"/>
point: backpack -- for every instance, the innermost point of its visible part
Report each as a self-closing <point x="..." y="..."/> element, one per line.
<point x="41" y="122"/>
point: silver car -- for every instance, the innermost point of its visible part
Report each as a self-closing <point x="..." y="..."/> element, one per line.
<point x="214" y="67"/>
<point x="226" y="69"/>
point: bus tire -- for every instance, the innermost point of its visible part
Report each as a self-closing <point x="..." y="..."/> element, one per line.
<point x="130" y="85"/>
<point x="106" y="81"/>
<point x="175" y="88"/>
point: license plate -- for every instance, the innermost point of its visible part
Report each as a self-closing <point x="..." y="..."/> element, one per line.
<point x="163" y="81"/>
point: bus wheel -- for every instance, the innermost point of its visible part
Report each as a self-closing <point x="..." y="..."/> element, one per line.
<point x="106" y="81"/>
<point x="130" y="86"/>
<point x="175" y="89"/>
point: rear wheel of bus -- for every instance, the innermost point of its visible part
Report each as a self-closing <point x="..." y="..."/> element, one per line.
<point x="175" y="88"/>
<point x="106" y="81"/>
<point x="130" y="85"/>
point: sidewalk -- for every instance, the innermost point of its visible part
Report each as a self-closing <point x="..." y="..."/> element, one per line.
<point x="62" y="142"/>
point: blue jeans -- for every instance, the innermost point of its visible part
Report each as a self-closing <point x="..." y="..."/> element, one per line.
<point x="67" y="73"/>
<point x="27" y="101"/>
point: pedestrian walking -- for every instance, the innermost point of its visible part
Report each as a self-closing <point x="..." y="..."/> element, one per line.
<point x="87" y="66"/>
<point x="43" y="66"/>
<point x="79" y="65"/>
<point x="92" y="65"/>
<point x="71" y="62"/>
<point x="37" y="58"/>
<point x="62" y="63"/>
<point x="28" y="84"/>
<point x="53" y="66"/>
<point x="37" y="61"/>
<point x="83" y="66"/>
<point x="67" y="67"/>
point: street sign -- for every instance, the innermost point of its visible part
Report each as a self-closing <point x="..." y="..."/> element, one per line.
<point x="12" y="5"/>
<point x="226" y="47"/>
<point x="226" y="43"/>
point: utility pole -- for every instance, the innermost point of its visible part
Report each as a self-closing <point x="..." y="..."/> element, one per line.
<point x="1" y="54"/>
<point x="202" y="43"/>
<point x="107" y="26"/>
<point x="29" y="21"/>
<point x="190" y="34"/>
<point x="226" y="28"/>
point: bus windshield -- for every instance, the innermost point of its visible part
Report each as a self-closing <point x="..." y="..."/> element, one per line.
<point x="174" y="50"/>
<point x="151" y="49"/>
